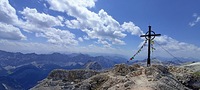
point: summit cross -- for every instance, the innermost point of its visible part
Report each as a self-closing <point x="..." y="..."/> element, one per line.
<point x="150" y="35"/>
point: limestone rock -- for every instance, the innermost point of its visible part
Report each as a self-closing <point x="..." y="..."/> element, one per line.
<point x="72" y="75"/>
<point x="121" y="69"/>
<point x="122" y="77"/>
<point x="64" y="79"/>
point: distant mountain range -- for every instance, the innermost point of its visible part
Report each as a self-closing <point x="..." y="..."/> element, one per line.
<point x="23" y="71"/>
<point x="9" y="60"/>
<point x="167" y="61"/>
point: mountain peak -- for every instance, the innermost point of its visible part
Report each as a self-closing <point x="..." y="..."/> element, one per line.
<point x="93" y="65"/>
<point x="123" y="77"/>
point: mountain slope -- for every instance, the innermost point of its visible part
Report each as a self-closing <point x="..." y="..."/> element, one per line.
<point x="194" y="66"/>
<point x="123" y="77"/>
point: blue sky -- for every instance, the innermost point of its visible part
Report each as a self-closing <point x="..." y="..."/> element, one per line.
<point x="99" y="26"/>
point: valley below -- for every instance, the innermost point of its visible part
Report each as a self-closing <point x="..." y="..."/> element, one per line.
<point x="84" y="72"/>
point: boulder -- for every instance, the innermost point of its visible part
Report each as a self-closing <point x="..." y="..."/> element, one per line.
<point x="121" y="69"/>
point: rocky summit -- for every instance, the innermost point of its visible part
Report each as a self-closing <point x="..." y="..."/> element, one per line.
<point x="123" y="77"/>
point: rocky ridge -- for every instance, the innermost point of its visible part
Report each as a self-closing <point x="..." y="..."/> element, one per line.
<point x="93" y="65"/>
<point x="122" y="77"/>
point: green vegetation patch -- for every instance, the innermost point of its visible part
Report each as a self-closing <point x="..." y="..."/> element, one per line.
<point x="197" y="73"/>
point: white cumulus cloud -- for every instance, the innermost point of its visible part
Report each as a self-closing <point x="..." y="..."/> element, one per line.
<point x="57" y="36"/>
<point x="100" y="26"/>
<point x="105" y="43"/>
<point x="10" y="32"/>
<point x="132" y="28"/>
<point x="43" y="25"/>
<point x="8" y="22"/>
<point x="86" y="37"/>
<point x="32" y="16"/>
<point x="177" y="48"/>
<point x="80" y="39"/>
<point x="7" y="13"/>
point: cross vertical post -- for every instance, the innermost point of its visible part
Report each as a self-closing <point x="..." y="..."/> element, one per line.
<point x="149" y="36"/>
<point x="149" y="47"/>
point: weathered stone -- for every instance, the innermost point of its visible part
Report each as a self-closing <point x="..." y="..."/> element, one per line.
<point x="134" y="67"/>
<point x="98" y="81"/>
<point x="121" y="69"/>
<point x="196" y="85"/>
<point x="123" y="77"/>
<point x="128" y="83"/>
<point x="71" y="76"/>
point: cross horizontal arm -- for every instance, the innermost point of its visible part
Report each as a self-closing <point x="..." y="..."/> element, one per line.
<point x="143" y="35"/>
<point x="155" y="34"/>
<point x="151" y="35"/>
